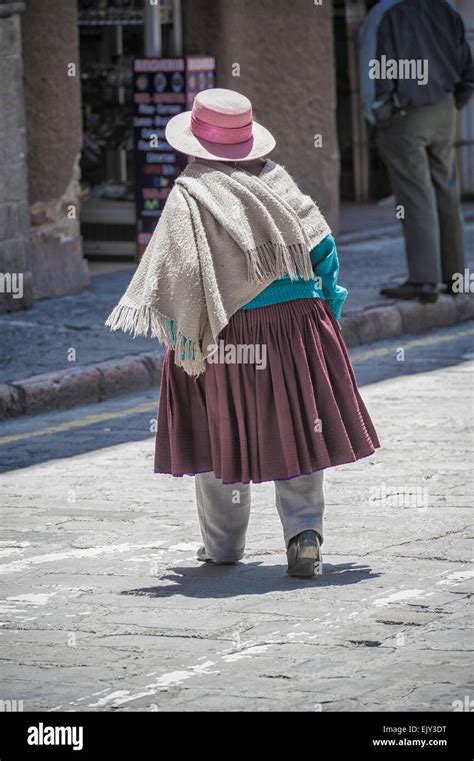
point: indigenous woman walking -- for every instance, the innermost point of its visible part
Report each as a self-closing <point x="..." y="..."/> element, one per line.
<point x="239" y="281"/>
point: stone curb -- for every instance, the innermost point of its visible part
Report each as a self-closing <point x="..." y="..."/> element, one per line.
<point x="88" y="384"/>
<point x="397" y="319"/>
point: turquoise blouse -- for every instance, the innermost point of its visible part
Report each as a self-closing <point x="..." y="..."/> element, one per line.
<point x="323" y="286"/>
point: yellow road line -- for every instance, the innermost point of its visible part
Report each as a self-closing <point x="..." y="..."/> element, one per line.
<point x="83" y="422"/>
<point x="427" y="341"/>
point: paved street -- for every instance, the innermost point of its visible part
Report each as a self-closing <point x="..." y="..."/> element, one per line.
<point x="104" y="606"/>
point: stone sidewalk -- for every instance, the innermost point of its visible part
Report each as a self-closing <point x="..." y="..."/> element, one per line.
<point x="60" y="354"/>
<point x="106" y="609"/>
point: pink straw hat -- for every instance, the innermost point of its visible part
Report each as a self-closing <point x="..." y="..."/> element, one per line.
<point x="220" y="127"/>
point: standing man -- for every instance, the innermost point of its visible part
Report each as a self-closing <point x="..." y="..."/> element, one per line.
<point x="416" y="69"/>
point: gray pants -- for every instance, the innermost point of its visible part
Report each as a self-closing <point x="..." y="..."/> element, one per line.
<point x="418" y="150"/>
<point x="224" y="511"/>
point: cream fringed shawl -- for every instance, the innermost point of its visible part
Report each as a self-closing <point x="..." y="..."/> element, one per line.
<point x="224" y="235"/>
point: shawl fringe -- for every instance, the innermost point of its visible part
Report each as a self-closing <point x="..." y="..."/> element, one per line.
<point x="139" y="321"/>
<point x="274" y="260"/>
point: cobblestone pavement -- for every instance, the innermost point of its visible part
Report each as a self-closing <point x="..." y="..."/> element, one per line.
<point x="104" y="606"/>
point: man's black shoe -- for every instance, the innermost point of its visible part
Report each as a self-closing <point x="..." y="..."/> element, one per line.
<point x="427" y="293"/>
<point x="449" y="289"/>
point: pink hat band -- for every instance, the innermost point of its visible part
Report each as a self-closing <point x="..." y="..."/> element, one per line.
<point x="216" y="134"/>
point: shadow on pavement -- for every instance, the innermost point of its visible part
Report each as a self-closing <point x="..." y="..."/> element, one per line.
<point x="210" y="581"/>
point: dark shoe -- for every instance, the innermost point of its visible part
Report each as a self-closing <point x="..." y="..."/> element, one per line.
<point x="204" y="557"/>
<point x="448" y="288"/>
<point x="304" y="554"/>
<point x="427" y="293"/>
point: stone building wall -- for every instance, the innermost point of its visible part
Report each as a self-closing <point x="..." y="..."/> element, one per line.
<point x="54" y="137"/>
<point x="16" y="290"/>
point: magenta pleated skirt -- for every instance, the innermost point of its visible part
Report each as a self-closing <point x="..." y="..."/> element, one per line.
<point x="300" y="411"/>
